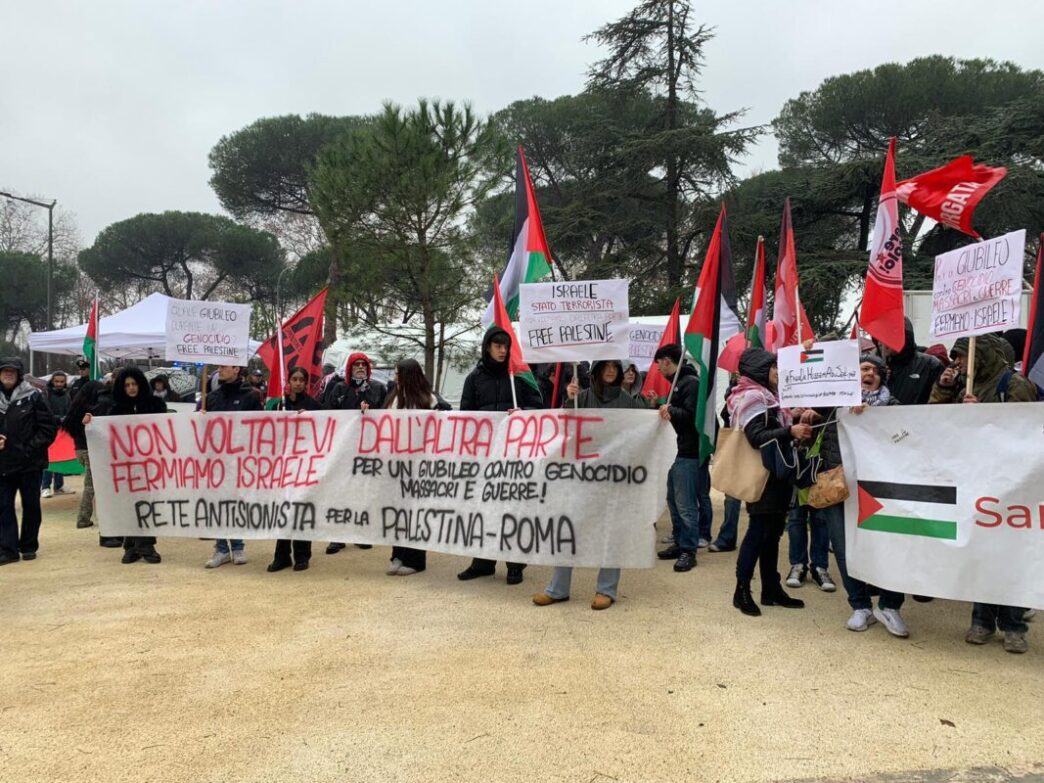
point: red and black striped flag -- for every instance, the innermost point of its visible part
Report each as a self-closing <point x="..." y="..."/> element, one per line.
<point x="302" y="346"/>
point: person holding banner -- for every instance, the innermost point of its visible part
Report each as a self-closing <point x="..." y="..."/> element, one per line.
<point x="27" y="428"/>
<point x="412" y="392"/>
<point x="488" y="388"/>
<point x="683" y="480"/>
<point x="606" y="392"/>
<point x="132" y="396"/>
<point x="994" y="380"/>
<point x="86" y="401"/>
<point x="232" y="394"/>
<point x="754" y="408"/>
<point x="295" y="399"/>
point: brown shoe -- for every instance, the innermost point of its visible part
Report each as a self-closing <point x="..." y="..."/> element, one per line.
<point x="543" y="599"/>
<point x="601" y="601"/>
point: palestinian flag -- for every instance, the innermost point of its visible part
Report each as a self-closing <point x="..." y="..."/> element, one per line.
<point x="90" y="341"/>
<point x="530" y="258"/>
<point x="656" y="387"/>
<point x="1033" y="356"/>
<point x="812" y="356"/>
<point x="61" y="456"/>
<point x="925" y="510"/>
<point x="754" y="335"/>
<point x="703" y="331"/>
<point x="517" y="367"/>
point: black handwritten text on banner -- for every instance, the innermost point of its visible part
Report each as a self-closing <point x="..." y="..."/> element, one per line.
<point x="548" y="487"/>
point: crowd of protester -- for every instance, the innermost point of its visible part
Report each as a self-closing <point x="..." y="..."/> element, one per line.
<point x="30" y="418"/>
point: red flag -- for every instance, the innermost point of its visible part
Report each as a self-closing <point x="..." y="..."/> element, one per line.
<point x="786" y="300"/>
<point x="881" y="314"/>
<point x="516" y="364"/>
<point x="950" y="193"/>
<point x="656" y="387"/>
<point x="555" y="386"/>
<point x="754" y="335"/>
<point x="1033" y="353"/>
<point x="301" y="346"/>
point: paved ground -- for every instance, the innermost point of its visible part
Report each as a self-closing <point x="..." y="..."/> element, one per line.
<point x="174" y="673"/>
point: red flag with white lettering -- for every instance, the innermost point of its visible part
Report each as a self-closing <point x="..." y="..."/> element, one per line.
<point x="950" y="193"/>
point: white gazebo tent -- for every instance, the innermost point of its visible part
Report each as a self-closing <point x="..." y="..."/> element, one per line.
<point x="139" y="332"/>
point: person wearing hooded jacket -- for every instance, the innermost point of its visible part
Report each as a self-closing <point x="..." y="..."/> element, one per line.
<point x="87" y="400"/>
<point x="911" y="374"/>
<point x="606" y="392"/>
<point x="995" y="381"/>
<point x="58" y="400"/>
<point x="754" y="408"/>
<point x="683" y="479"/>
<point x="132" y="396"/>
<point x="27" y="428"/>
<point x="488" y="388"/>
<point x="358" y="392"/>
<point x="232" y="394"/>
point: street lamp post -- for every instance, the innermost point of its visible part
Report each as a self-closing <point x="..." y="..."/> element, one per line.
<point x="50" y="252"/>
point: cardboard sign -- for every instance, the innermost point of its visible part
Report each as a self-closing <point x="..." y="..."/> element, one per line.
<point x="825" y="376"/>
<point x="210" y="332"/>
<point x="577" y="321"/>
<point x="928" y="514"/>
<point x="549" y="487"/>
<point x="978" y="288"/>
<point x="644" y="340"/>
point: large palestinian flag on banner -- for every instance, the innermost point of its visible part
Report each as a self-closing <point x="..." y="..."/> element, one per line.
<point x="530" y="259"/>
<point x="703" y="333"/>
<point x="926" y="510"/>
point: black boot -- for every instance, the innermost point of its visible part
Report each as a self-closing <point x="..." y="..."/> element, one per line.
<point x="775" y="595"/>
<point x="744" y="601"/>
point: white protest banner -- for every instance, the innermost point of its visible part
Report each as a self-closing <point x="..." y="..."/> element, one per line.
<point x="210" y="332"/>
<point x="549" y="487"/>
<point x="644" y="340"/>
<point x="577" y="321"/>
<point x="978" y="288"/>
<point x="823" y="377"/>
<point x="945" y="500"/>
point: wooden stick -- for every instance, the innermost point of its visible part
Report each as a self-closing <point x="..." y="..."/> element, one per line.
<point x="576" y="380"/>
<point x="514" y="395"/>
<point x="971" y="366"/>
<point x="203" y="393"/>
<point x="674" y="381"/>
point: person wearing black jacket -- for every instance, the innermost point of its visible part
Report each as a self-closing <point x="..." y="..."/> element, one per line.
<point x="911" y="374"/>
<point x="83" y="367"/>
<point x="754" y="408"/>
<point x="87" y="400"/>
<point x="683" y="479"/>
<point x="132" y="396"/>
<point x="232" y="394"/>
<point x="295" y="399"/>
<point x="488" y="388"/>
<point x="27" y="428"/>
<point x="58" y="400"/>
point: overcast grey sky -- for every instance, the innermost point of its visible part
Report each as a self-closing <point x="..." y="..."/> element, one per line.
<point x="111" y="107"/>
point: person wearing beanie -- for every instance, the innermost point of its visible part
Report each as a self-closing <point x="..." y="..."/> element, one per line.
<point x="27" y="428"/>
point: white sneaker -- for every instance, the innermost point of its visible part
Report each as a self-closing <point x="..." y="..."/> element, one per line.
<point x="239" y="557"/>
<point x="703" y="543"/>
<point x="860" y="620"/>
<point x="218" y="559"/>
<point x="393" y="567"/>
<point x="47" y="493"/>
<point x="822" y="578"/>
<point x="405" y="571"/>
<point x="796" y="576"/>
<point x="893" y="621"/>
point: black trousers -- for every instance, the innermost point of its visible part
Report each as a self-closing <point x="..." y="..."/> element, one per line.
<point x="481" y="564"/>
<point x="416" y="559"/>
<point x="302" y="551"/>
<point x="139" y="542"/>
<point x="27" y="485"/>
<point x="761" y="546"/>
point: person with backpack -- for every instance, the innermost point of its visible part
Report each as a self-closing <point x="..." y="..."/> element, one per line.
<point x="995" y="380"/>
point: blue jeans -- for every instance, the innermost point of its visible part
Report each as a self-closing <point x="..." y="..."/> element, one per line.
<point x="59" y="480"/>
<point x="797" y="531"/>
<point x="683" y="480"/>
<point x="729" y="530"/>
<point x="608" y="582"/>
<point x="704" y="502"/>
<point x="221" y="545"/>
<point x="858" y="591"/>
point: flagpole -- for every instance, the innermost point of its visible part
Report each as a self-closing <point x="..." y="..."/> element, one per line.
<point x="797" y="315"/>
<point x="514" y="395"/>
<point x="576" y="380"/>
<point x="969" y="382"/>
<point x="203" y="393"/>
<point x="677" y="372"/>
